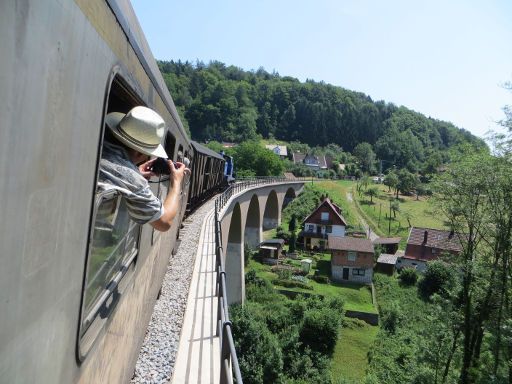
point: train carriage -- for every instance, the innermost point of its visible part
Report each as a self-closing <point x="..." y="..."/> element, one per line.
<point x="207" y="174"/>
<point x="78" y="279"/>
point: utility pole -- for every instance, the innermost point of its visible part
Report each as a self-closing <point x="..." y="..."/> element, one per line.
<point x="389" y="225"/>
<point x="380" y="210"/>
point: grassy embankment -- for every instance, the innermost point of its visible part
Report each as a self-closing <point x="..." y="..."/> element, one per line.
<point x="416" y="212"/>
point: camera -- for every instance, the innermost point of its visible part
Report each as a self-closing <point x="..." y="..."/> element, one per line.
<point x="161" y="167"/>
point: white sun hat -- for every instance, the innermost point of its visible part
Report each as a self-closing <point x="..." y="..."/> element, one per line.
<point x="141" y="129"/>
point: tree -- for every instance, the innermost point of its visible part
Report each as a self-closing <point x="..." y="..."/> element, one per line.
<point x="366" y="157"/>
<point x="253" y="157"/>
<point x="372" y="192"/>
<point x="391" y="180"/>
<point x="407" y="181"/>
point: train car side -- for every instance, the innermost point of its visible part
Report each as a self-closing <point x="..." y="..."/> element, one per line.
<point x="65" y="65"/>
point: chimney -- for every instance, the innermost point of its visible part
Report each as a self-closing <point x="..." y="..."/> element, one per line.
<point x="425" y="237"/>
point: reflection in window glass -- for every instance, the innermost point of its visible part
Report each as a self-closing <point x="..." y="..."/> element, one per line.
<point x="114" y="240"/>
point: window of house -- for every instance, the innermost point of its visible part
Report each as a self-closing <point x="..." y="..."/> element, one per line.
<point x="113" y="243"/>
<point x="311" y="228"/>
<point x="351" y="256"/>
<point x="358" y="271"/>
<point x="325" y="216"/>
<point x="328" y="229"/>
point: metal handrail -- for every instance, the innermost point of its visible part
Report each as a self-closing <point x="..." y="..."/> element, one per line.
<point x="229" y="362"/>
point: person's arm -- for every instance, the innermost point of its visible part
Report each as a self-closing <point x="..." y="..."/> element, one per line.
<point x="171" y="203"/>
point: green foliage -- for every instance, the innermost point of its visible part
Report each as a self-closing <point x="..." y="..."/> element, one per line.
<point x="407" y="181"/>
<point x="408" y="276"/>
<point x="225" y="103"/>
<point x="258" y="352"/>
<point x="438" y="278"/>
<point x="252" y="157"/>
<point x="372" y="192"/>
<point x="363" y="152"/>
<point x="267" y="332"/>
<point x="320" y="330"/>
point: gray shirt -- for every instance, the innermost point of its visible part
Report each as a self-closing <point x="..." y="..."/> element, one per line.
<point x="119" y="173"/>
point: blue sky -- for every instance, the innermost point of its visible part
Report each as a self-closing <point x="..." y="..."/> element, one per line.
<point x="446" y="59"/>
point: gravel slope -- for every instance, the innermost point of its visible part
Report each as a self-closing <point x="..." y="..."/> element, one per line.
<point x="158" y="353"/>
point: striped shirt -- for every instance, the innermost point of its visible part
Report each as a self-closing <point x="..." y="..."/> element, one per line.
<point x="119" y="173"/>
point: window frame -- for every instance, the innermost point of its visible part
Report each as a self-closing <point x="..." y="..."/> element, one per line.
<point x="108" y="300"/>
<point x="351" y="255"/>
<point x="358" y="271"/>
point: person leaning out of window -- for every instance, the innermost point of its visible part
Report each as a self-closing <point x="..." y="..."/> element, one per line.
<point x="132" y="143"/>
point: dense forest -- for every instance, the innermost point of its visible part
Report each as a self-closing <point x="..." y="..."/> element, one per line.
<point x="226" y="103"/>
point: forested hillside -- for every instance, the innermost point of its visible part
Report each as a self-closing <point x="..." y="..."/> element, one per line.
<point x="225" y="103"/>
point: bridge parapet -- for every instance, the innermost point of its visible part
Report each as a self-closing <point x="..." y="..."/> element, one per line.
<point x="229" y="247"/>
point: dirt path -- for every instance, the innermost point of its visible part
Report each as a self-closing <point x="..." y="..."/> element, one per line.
<point x="371" y="235"/>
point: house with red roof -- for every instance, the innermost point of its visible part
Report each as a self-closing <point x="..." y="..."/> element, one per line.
<point x="325" y="221"/>
<point x="427" y="244"/>
<point x="352" y="259"/>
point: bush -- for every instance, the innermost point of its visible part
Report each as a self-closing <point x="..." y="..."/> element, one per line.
<point x="320" y="330"/>
<point x="291" y="284"/>
<point x="301" y="279"/>
<point x="391" y="317"/>
<point x="321" y="279"/>
<point x="259" y="355"/>
<point x="438" y="278"/>
<point x="408" y="276"/>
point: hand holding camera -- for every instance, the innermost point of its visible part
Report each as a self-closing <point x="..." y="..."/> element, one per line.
<point x="161" y="166"/>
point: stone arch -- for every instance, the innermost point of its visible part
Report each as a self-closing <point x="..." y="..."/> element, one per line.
<point x="272" y="214"/>
<point x="252" y="233"/>
<point x="289" y="196"/>
<point x="234" y="258"/>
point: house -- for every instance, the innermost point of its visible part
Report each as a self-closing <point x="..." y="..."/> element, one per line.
<point x="387" y="244"/>
<point x="351" y="259"/>
<point x="279" y="150"/>
<point x="315" y="162"/>
<point x="271" y="249"/>
<point x="326" y="220"/>
<point x="427" y="244"/>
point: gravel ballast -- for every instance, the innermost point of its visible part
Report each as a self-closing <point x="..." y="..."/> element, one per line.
<point x="158" y="353"/>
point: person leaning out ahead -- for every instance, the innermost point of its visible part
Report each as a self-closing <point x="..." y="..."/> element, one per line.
<point x="130" y="142"/>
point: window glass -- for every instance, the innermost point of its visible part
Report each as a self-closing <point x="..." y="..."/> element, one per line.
<point x="325" y="215"/>
<point x="351" y="256"/>
<point x="358" y="272"/>
<point x="311" y="227"/>
<point x="114" y="241"/>
<point x="328" y="229"/>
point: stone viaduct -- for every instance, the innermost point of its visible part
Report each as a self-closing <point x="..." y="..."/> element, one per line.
<point x="243" y="219"/>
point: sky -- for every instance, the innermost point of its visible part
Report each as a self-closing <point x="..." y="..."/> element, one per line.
<point x="447" y="59"/>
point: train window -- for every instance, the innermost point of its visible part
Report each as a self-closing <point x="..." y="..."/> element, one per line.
<point x="113" y="242"/>
<point x="170" y="143"/>
<point x="113" y="248"/>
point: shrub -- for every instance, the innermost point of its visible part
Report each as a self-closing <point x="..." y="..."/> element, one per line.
<point x="391" y="317"/>
<point x="258" y="352"/>
<point x="408" y="276"/>
<point x="301" y="279"/>
<point x="321" y="279"/>
<point x="291" y="284"/>
<point x="320" y="330"/>
<point x="438" y="278"/>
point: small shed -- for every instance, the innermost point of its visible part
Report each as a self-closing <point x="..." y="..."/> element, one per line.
<point x="271" y="249"/>
<point x="388" y="244"/>
<point x="386" y="263"/>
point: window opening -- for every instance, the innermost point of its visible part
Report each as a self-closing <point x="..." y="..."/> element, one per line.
<point x="113" y="241"/>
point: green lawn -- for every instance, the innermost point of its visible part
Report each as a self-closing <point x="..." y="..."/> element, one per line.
<point x="377" y="213"/>
<point x="350" y="358"/>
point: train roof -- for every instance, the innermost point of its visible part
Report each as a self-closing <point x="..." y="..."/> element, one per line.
<point x="125" y="15"/>
<point x="207" y="151"/>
